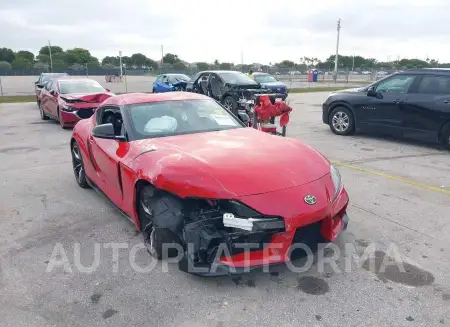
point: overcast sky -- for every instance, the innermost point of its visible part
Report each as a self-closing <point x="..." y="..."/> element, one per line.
<point x="204" y="30"/>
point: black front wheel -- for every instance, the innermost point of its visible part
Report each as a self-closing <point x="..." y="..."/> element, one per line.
<point x="78" y="166"/>
<point x="155" y="238"/>
<point x="230" y="104"/>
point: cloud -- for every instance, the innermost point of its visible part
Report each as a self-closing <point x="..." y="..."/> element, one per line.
<point x="202" y="30"/>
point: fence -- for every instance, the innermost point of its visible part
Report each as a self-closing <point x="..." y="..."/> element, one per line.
<point x="137" y="81"/>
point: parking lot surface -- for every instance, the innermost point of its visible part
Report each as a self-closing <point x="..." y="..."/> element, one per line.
<point x="399" y="193"/>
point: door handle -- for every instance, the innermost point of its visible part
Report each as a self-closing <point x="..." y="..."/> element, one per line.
<point x="398" y="101"/>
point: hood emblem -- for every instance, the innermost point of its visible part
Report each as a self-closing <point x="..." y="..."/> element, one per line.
<point x="310" y="199"/>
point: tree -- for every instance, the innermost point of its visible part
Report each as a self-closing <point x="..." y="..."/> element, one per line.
<point x="21" y="63"/>
<point x="115" y="61"/>
<point x="43" y="58"/>
<point x="202" y="66"/>
<point x="149" y="63"/>
<point x="225" y="66"/>
<point x="286" y="64"/>
<point x="26" y="55"/>
<point x="138" y="59"/>
<point x="7" y="55"/>
<point x="45" y="50"/>
<point x="5" y="66"/>
<point x="170" y="58"/>
<point x="179" y="66"/>
<point x="79" y="56"/>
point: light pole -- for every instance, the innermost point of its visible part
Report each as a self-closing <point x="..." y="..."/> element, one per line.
<point x="50" y="55"/>
<point x="337" y="50"/>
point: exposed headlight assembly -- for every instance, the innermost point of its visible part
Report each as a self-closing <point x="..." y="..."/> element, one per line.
<point x="337" y="181"/>
<point x="67" y="108"/>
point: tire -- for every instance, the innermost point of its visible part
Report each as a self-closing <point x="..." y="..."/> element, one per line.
<point x="230" y="103"/>
<point x="42" y="113"/>
<point x="154" y="238"/>
<point x="342" y="121"/>
<point x="445" y="136"/>
<point x="153" y="91"/>
<point x="78" y="166"/>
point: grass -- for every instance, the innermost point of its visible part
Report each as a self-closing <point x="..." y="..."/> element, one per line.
<point x="17" y="98"/>
<point x="32" y="98"/>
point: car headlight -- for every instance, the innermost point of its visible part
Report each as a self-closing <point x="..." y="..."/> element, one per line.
<point x="67" y="108"/>
<point x="337" y="181"/>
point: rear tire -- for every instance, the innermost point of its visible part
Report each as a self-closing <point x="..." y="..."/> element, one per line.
<point x="445" y="136"/>
<point x="342" y="121"/>
<point x="78" y="166"/>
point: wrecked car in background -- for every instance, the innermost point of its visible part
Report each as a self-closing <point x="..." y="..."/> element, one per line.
<point x="190" y="174"/>
<point x="69" y="100"/>
<point x="170" y="82"/>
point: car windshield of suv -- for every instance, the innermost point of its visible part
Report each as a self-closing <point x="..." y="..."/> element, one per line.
<point x="165" y="118"/>
<point x="265" y="78"/>
<point x="80" y="86"/>
<point x="237" y="78"/>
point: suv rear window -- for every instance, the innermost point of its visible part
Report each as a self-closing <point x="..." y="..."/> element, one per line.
<point x="435" y="85"/>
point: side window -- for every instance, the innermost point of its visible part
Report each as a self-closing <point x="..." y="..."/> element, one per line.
<point x="396" y="84"/>
<point x="159" y="79"/>
<point x="439" y="85"/>
<point x="165" y="80"/>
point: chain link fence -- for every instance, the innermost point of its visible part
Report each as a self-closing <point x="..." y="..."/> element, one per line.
<point x="14" y="83"/>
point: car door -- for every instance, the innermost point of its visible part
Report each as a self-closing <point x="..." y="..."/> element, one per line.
<point x="427" y="108"/>
<point x="52" y="102"/>
<point x="47" y="99"/>
<point x="157" y="84"/>
<point x="105" y="156"/>
<point x="382" y="111"/>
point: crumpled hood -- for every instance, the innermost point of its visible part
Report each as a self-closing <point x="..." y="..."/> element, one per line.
<point x="95" y="98"/>
<point x="234" y="162"/>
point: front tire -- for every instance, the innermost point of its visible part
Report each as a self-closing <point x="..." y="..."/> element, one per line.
<point x="342" y="121"/>
<point x="154" y="238"/>
<point x="230" y="103"/>
<point x="78" y="166"/>
<point x="41" y="112"/>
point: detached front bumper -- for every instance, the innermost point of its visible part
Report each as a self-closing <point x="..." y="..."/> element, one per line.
<point x="229" y="254"/>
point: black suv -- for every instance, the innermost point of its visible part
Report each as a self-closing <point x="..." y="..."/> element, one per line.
<point x="414" y="104"/>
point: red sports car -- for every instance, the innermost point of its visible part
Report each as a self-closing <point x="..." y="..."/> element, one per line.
<point x="189" y="173"/>
<point x="69" y="100"/>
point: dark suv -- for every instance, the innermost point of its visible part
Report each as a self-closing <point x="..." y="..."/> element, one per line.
<point x="414" y="104"/>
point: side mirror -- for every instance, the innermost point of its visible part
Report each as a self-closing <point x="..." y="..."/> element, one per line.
<point x="39" y="86"/>
<point x="106" y="131"/>
<point x="371" y="92"/>
<point x="244" y="117"/>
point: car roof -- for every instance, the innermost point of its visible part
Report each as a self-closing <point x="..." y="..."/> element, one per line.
<point x="428" y="70"/>
<point x="136" y="98"/>
<point x="220" y="71"/>
<point x="260" y="73"/>
<point x="51" y="74"/>
<point x="72" y="78"/>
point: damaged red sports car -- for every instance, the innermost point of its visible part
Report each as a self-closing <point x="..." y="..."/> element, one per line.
<point x="68" y="100"/>
<point x="188" y="172"/>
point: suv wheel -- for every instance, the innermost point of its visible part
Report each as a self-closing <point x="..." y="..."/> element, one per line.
<point x="342" y="121"/>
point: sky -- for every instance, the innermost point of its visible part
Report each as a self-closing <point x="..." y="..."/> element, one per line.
<point x="260" y="31"/>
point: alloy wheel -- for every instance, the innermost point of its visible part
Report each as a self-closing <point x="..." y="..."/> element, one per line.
<point x="77" y="164"/>
<point x="340" y="121"/>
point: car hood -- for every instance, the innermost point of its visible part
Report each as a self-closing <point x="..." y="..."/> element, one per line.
<point x="83" y="97"/>
<point x="229" y="163"/>
<point x="274" y="84"/>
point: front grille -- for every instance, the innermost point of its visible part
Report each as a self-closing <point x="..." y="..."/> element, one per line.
<point x="85" y="113"/>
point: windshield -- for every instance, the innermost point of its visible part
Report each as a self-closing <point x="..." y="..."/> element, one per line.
<point x="46" y="78"/>
<point x="80" y="86"/>
<point x="237" y="78"/>
<point x="167" y="118"/>
<point x="265" y="78"/>
<point x="180" y="78"/>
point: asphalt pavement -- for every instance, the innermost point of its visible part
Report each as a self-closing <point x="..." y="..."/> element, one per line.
<point x="399" y="193"/>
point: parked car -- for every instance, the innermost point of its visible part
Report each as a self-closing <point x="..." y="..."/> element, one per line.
<point x="170" y="82"/>
<point x="414" y="103"/>
<point x="271" y="83"/>
<point x="235" y="90"/>
<point x="70" y="100"/>
<point x="188" y="173"/>
<point x="43" y="79"/>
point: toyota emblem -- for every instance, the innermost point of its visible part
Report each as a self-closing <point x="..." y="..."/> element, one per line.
<point x="310" y="199"/>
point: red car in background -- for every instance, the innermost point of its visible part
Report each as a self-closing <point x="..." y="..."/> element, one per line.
<point x="187" y="171"/>
<point x="68" y="100"/>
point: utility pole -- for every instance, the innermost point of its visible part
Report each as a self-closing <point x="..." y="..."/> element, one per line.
<point x="162" y="55"/>
<point x="337" y="50"/>
<point x="50" y="55"/>
<point x="353" y="63"/>
<point x="120" y="64"/>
